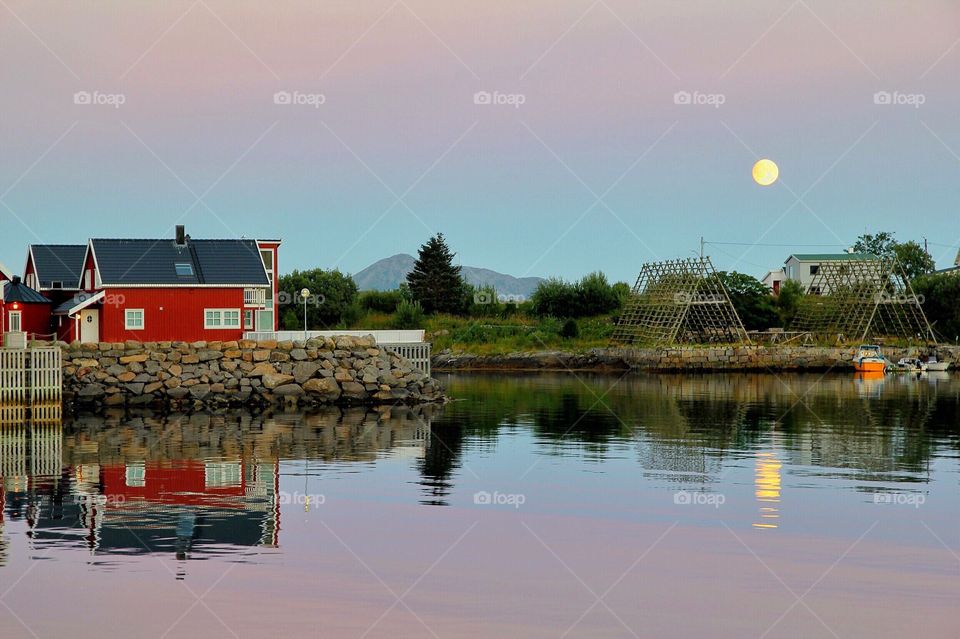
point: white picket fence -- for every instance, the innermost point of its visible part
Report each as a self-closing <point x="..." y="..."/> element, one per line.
<point x="418" y="354"/>
<point x="30" y="375"/>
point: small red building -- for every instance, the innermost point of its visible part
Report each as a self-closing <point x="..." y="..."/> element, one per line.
<point x="176" y="289"/>
<point x="22" y="309"/>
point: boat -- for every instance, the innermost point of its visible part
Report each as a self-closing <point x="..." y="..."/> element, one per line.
<point x="869" y="359"/>
<point x="934" y="366"/>
<point x="909" y="365"/>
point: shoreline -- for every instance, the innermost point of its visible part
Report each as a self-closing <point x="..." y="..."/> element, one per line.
<point x="748" y="358"/>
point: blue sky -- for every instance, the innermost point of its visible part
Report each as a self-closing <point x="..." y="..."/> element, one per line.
<point x="599" y="167"/>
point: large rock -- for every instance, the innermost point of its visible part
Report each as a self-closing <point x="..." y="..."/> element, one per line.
<point x="304" y="371"/>
<point x="353" y="390"/>
<point x="288" y="390"/>
<point x="273" y="380"/>
<point x="326" y="388"/>
<point x="91" y="391"/>
<point x="261" y="369"/>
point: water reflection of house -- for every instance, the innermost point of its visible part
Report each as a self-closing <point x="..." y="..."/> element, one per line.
<point x="133" y="507"/>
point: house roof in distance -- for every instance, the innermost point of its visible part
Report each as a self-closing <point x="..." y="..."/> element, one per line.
<point x="17" y="291"/>
<point x="163" y="262"/>
<point x="58" y="263"/>
<point x="831" y="257"/>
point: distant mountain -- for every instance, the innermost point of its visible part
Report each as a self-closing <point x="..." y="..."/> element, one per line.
<point x="388" y="273"/>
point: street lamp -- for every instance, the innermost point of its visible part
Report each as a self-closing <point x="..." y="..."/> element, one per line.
<point x="305" y="293"/>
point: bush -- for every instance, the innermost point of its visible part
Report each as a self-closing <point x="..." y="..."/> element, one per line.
<point x="592" y="295"/>
<point x="570" y="329"/>
<point x="409" y="315"/>
<point x="381" y="301"/>
<point x="941" y="303"/>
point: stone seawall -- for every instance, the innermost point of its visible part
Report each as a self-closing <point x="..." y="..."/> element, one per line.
<point x="718" y="358"/>
<point x="347" y="370"/>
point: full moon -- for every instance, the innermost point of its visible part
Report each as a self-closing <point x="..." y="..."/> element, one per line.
<point x="765" y="172"/>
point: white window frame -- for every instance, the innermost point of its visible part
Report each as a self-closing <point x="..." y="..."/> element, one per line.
<point x="268" y="269"/>
<point x="219" y="322"/>
<point x="126" y="319"/>
<point x="88" y="279"/>
<point x="19" y="322"/>
<point x="251" y="314"/>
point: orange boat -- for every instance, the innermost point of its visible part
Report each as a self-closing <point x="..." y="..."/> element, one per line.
<point x="869" y="359"/>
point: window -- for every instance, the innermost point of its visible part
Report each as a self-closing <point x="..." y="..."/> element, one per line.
<point x="221" y="474"/>
<point x="814" y="269"/>
<point x="248" y="320"/>
<point x="267" y="256"/>
<point x="133" y="319"/>
<point x="56" y="284"/>
<point x="221" y="318"/>
<point x="184" y="269"/>
<point x="136" y="475"/>
<point x="254" y="297"/>
<point x="15" y="321"/>
<point x="88" y="279"/>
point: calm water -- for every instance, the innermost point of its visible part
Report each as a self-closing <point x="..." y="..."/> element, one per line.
<point x="533" y="506"/>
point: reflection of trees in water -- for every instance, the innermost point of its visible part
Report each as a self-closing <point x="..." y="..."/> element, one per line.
<point x="686" y="423"/>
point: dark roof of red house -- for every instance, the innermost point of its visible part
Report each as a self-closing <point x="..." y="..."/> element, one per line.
<point x="17" y="291"/>
<point x="164" y="262"/>
<point x="58" y="263"/>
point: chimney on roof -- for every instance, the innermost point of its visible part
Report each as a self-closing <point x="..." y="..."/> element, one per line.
<point x="181" y="235"/>
<point x="15" y="280"/>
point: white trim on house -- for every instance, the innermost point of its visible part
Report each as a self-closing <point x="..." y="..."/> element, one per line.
<point x="5" y="271"/>
<point x="93" y="299"/>
<point x="221" y="319"/>
<point x="126" y="319"/>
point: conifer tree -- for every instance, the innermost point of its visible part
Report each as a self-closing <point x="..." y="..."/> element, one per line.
<point x="435" y="280"/>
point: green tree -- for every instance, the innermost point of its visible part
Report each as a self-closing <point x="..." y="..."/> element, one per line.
<point x="882" y="244"/>
<point x="941" y="303"/>
<point x="435" y="280"/>
<point x="788" y="301"/>
<point x="914" y="260"/>
<point x="752" y="300"/>
<point x="331" y="295"/>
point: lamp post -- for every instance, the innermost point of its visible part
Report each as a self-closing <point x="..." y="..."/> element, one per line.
<point x="305" y="293"/>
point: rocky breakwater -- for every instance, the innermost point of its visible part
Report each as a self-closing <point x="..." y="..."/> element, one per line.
<point x="344" y="370"/>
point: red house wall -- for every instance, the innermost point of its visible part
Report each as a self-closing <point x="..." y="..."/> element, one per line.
<point x="179" y="482"/>
<point x="168" y="313"/>
<point x="34" y="318"/>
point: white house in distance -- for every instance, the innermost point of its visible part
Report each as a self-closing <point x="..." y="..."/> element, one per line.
<point x="803" y="268"/>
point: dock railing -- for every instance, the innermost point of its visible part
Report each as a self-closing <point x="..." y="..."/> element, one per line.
<point x="31" y="376"/>
<point x="409" y="344"/>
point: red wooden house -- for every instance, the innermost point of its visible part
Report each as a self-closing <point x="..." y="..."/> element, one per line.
<point x="22" y="309"/>
<point x="177" y="289"/>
